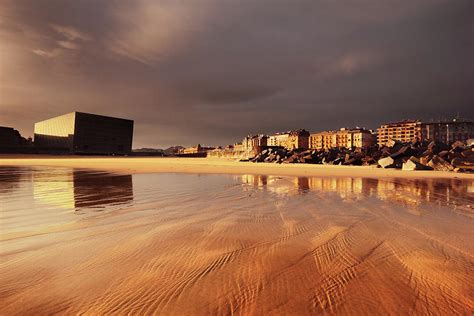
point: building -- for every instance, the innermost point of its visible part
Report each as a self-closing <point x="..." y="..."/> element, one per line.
<point x="238" y="147"/>
<point x="321" y="140"/>
<point x="252" y="142"/>
<point x="403" y="131"/>
<point x="298" y="139"/>
<point x="343" y="138"/>
<point x="362" y="138"/>
<point x="278" y="139"/>
<point x="415" y="130"/>
<point x="84" y="133"/>
<point x="290" y="140"/>
<point x="198" y="149"/>
<point x="447" y="132"/>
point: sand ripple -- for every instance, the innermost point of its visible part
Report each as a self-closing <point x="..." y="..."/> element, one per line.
<point x="189" y="244"/>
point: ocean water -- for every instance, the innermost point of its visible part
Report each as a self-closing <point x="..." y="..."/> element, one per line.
<point x="94" y="242"/>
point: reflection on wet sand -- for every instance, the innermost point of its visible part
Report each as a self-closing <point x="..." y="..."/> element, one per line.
<point x="82" y="190"/>
<point x="454" y="192"/>
<point x="214" y="244"/>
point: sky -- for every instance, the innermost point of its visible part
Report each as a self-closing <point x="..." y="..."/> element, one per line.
<point x="213" y="71"/>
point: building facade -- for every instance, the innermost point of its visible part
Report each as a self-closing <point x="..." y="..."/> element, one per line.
<point x="298" y="139"/>
<point x="198" y="149"/>
<point x="403" y="131"/>
<point x="447" y="132"/>
<point x="84" y="133"/>
<point x="252" y="142"/>
<point x="363" y="138"/>
<point x="415" y="130"/>
<point x="278" y="139"/>
<point x="343" y="138"/>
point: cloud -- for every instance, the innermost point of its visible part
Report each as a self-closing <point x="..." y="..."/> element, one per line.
<point x="213" y="71"/>
<point x="149" y="31"/>
<point x="70" y="32"/>
<point x="48" y="54"/>
<point x="68" y="44"/>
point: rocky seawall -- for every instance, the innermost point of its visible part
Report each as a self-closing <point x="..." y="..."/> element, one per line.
<point x="407" y="156"/>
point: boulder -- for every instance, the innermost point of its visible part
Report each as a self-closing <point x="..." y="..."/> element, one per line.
<point x="414" y="163"/>
<point x="469" y="153"/>
<point x="387" y="162"/>
<point x="403" y="152"/>
<point x="463" y="163"/>
<point x="439" y="164"/>
<point x="392" y="143"/>
<point x="457" y="144"/>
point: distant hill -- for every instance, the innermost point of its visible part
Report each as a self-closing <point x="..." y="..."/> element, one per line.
<point x="167" y="152"/>
<point x="172" y="150"/>
<point x="148" y="150"/>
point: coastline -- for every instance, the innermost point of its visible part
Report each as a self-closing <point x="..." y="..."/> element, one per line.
<point x="135" y="165"/>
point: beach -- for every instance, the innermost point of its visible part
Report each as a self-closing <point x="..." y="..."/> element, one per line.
<point x="198" y="237"/>
<point x="217" y="166"/>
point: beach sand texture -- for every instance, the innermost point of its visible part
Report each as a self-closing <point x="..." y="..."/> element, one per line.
<point x="235" y="244"/>
<point x="216" y="165"/>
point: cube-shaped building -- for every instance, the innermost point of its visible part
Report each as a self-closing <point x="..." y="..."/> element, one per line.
<point x="84" y="133"/>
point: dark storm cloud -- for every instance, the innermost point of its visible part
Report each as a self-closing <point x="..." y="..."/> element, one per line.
<point x="213" y="71"/>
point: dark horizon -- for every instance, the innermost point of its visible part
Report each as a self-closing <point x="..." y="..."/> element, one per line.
<point x="215" y="72"/>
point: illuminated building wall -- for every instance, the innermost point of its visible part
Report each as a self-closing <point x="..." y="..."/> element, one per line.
<point x="83" y="133"/>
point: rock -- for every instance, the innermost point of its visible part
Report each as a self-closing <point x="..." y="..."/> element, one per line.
<point x="353" y="162"/>
<point x="436" y="147"/>
<point x="414" y="163"/>
<point x="387" y="162"/>
<point x="463" y="163"/>
<point x="403" y="152"/>
<point x="443" y="154"/>
<point x="468" y="153"/>
<point x="392" y="143"/>
<point x="439" y="164"/>
<point x="457" y="144"/>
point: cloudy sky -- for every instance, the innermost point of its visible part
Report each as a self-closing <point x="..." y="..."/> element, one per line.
<point x="212" y="71"/>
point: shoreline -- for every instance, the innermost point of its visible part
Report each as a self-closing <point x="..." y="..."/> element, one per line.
<point x="135" y="165"/>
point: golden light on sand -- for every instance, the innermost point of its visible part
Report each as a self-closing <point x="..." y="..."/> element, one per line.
<point x="223" y="244"/>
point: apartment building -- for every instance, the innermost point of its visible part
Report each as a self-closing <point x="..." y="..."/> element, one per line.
<point x="252" y="142"/>
<point x="447" y="132"/>
<point x="279" y="139"/>
<point x="343" y="138"/>
<point x="412" y="130"/>
<point x="403" y="131"/>
<point x="298" y="139"/>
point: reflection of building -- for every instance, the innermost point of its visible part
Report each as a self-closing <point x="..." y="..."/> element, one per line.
<point x="83" y="133"/>
<point x="343" y="138"/>
<point x="80" y="189"/>
<point x="447" y="132"/>
<point x="404" y="131"/>
<point x="410" y="193"/>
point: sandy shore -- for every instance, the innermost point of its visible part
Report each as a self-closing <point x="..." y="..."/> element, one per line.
<point x="217" y="166"/>
<point x="80" y="242"/>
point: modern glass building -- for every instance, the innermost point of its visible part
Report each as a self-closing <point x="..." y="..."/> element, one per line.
<point x="84" y="133"/>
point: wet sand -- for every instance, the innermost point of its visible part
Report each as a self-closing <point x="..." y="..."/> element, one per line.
<point x="216" y="165"/>
<point x="81" y="241"/>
